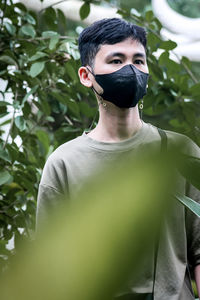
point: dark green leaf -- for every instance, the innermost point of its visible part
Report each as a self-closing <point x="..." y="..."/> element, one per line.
<point x="74" y="108"/>
<point x="43" y="138"/>
<point x="186" y="61"/>
<point x="84" y="10"/>
<point x="8" y="59"/>
<point x="168" y="45"/>
<point x="195" y="89"/>
<point x="191" y="170"/>
<point x="21" y="6"/>
<point x="71" y="72"/>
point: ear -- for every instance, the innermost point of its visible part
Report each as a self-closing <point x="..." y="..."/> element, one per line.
<point x="85" y="77"/>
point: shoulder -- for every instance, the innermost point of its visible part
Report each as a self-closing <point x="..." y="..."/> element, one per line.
<point x="188" y="146"/>
<point x="57" y="163"/>
<point x="67" y="151"/>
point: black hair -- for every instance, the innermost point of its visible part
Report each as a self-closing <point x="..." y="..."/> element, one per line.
<point x="107" y="31"/>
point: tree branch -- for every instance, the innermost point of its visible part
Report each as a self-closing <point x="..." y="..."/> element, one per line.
<point x="62" y="37"/>
<point x="61" y="1"/>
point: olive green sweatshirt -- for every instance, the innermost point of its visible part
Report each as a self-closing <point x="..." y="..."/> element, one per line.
<point x="71" y="164"/>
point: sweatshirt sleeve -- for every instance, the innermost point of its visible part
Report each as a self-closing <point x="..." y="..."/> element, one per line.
<point x="48" y="200"/>
<point x="53" y="186"/>
<point x="192" y="221"/>
<point x="193" y="229"/>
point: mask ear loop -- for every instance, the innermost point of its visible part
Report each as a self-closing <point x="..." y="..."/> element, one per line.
<point x="101" y="101"/>
<point x="93" y="89"/>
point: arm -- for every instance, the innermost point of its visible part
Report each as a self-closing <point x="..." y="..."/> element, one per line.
<point x="193" y="236"/>
<point x="51" y="189"/>
<point x="197" y="278"/>
<point x="47" y="201"/>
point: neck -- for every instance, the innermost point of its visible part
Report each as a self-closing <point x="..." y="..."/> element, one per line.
<point x="116" y="124"/>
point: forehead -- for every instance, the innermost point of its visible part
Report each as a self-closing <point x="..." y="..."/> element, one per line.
<point x="128" y="47"/>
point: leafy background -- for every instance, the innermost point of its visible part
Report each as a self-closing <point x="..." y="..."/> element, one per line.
<point x="44" y="105"/>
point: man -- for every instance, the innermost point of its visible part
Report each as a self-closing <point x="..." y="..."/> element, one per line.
<point x="113" y="56"/>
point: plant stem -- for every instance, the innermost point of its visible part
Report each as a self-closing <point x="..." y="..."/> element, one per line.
<point x="186" y="68"/>
<point x="11" y="124"/>
<point x="3" y="13"/>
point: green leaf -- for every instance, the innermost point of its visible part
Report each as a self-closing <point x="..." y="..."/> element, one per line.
<point x="72" y="49"/>
<point x="195" y="89"/>
<point x="20" y="123"/>
<point x="149" y="16"/>
<point x="28" y="30"/>
<point x="53" y="41"/>
<point x="168" y="45"/>
<point x="153" y="42"/>
<point x="5" y="177"/>
<point x="84" y="10"/>
<point x="49" y="34"/>
<point x="37" y="68"/>
<point x="4" y="103"/>
<point x="71" y="72"/>
<point x="164" y="58"/>
<point x="191" y="170"/>
<point x="21" y="6"/>
<point x="186" y="61"/>
<point x="135" y="12"/>
<point x="10" y="28"/>
<point x="43" y="138"/>
<point x="61" y="17"/>
<point x="8" y="59"/>
<point x="29" y="19"/>
<point x="38" y="55"/>
<point x="74" y="108"/>
<point x="50" y="18"/>
<point x="4" y="155"/>
<point x="189" y="203"/>
<point x="32" y="91"/>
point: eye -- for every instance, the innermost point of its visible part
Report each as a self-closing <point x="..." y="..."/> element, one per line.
<point x="115" y="61"/>
<point x="139" y="62"/>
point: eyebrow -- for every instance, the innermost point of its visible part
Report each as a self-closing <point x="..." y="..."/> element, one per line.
<point x="119" y="54"/>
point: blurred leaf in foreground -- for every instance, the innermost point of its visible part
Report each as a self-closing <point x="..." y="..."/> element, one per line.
<point x="98" y="241"/>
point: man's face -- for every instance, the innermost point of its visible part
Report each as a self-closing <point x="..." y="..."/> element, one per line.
<point x="111" y="58"/>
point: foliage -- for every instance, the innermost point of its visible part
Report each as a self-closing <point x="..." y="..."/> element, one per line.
<point x="94" y="262"/>
<point x="44" y="104"/>
<point x="189" y="8"/>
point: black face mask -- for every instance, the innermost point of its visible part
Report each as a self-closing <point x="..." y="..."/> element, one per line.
<point x="125" y="87"/>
